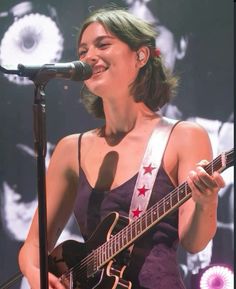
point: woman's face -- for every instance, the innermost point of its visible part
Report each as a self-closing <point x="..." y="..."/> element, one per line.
<point x="115" y="65"/>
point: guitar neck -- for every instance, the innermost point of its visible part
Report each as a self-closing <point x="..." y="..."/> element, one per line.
<point x="154" y="214"/>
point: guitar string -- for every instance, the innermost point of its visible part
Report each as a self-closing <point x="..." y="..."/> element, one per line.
<point x="82" y="266"/>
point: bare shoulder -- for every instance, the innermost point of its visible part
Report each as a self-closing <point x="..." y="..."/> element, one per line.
<point x="67" y="143"/>
<point x="70" y="142"/>
<point x="65" y="153"/>
<point x="189" y="128"/>
<point x="192" y="141"/>
<point x="68" y="146"/>
<point x="188" y="133"/>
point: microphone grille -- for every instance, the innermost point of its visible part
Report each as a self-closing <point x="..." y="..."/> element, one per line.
<point x="83" y="71"/>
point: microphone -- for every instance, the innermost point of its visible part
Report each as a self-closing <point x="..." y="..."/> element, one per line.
<point x="75" y="70"/>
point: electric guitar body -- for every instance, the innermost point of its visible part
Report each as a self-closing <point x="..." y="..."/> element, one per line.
<point x="78" y="265"/>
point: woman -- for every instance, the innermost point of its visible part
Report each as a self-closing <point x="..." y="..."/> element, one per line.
<point x="94" y="173"/>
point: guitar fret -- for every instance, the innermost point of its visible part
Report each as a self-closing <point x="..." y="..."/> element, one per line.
<point x="101" y="255"/>
<point x="149" y="222"/>
<point x="139" y="230"/>
<point x="145" y="219"/>
<point x="171" y="200"/>
<point x="155" y="214"/>
<point x="151" y="216"/>
<point x="104" y="253"/>
<point x="95" y="260"/>
<point x="98" y="256"/>
<point x="93" y="263"/>
<point x="174" y="199"/>
<point x="126" y="236"/>
<point x="212" y="168"/>
<point x="107" y="250"/>
<point x="186" y="188"/>
<point x="167" y="205"/>
<point x="182" y="193"/>
<point x="161" y="210"/>
<point x="120" y="242"/>
<point x="110" y="249"/>
<point x="117" y="244"/>
<point x="129" y="235"/>
<point x="142" y="223"/>
<point x="135" y="228"/>
<point x="133" y="231"/>
<point x="125" y="239"/>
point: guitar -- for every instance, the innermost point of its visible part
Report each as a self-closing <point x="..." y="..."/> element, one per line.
<point x="100" y="262"/>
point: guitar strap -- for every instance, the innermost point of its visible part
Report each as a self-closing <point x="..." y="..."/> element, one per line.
<point x="150" y="166"/>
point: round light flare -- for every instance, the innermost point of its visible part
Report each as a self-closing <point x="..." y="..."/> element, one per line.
<point x="217" y="277"/>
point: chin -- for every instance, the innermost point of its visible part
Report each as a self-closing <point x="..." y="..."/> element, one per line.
<point x="98" y="89"/>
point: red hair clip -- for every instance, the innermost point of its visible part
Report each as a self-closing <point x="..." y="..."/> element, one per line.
<point x="156" y="52"/>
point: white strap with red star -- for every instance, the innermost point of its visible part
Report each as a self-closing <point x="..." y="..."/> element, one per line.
<point x="150" y="166"/>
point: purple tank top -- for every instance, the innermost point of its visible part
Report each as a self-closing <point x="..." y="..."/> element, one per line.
<point x="153" y="264"/>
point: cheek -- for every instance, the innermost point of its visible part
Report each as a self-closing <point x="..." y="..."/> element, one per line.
<point x="125" y="69"/>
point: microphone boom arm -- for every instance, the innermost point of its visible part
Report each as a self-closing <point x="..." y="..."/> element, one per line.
<point x="8" y="71"/>
<point x="75" y="70"/>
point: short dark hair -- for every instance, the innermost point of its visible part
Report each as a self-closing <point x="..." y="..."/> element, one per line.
<point x="154" y="84"/>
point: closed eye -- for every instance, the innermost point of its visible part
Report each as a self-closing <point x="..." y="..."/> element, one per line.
<point x="82" y="53"/>
<point x="103" y="45"/>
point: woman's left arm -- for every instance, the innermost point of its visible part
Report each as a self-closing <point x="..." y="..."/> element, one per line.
<point x="197" y="216"/>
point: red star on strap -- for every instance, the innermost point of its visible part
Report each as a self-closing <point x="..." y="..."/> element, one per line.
<point x="142" y="191"/>
<point x="136" y="212"/>
<point x="148" y="170"/>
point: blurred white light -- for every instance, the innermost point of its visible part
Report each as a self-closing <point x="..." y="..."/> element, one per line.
<point x="217" y="277"/>
<point x="18" y="10"/>
<point x="32" y="39"/>
<point x="21" y="9"/>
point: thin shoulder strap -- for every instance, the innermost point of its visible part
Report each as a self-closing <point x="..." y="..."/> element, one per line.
<point x="79" y="149"/>
<point x="150" y="166"/>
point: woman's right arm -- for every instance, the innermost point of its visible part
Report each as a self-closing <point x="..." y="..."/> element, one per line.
<point x="61" y="188"/>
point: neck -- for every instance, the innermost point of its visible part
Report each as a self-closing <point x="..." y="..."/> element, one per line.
<point x="122" y="118"/>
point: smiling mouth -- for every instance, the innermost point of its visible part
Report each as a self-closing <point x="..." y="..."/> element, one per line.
<point x="100" y="69"/>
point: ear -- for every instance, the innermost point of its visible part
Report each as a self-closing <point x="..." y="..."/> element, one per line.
<point x="143" y="55"/>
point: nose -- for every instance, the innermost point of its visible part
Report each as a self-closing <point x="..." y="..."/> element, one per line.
<point x="91" y="56"/>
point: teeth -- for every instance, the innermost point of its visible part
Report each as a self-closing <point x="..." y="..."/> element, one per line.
<point x="98" y="69"/>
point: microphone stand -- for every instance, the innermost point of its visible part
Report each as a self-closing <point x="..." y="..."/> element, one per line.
<point x="40" y="146"/>
<point x="76" y="70"/>
<point x="40" y="80"/>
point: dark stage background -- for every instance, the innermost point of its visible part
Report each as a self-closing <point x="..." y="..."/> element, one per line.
<point x="196" y="39"/>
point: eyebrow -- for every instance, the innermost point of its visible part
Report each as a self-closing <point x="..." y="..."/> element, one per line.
<point x="96" y="40"/>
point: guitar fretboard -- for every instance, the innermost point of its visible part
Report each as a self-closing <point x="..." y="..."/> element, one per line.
<point x="124" y="238"/>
